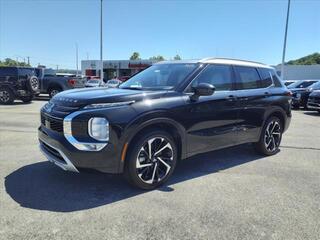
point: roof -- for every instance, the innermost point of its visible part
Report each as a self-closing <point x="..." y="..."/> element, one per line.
<point x="221" y="61"/>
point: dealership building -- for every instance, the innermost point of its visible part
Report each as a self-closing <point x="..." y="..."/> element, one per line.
<point x="124" y="68"/>
<point x="114" y="68"/>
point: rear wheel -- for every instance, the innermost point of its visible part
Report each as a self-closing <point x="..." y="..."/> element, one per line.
<point x="6" y="96"/>
<point x="54" y="91"/>
<point x="270" y="137"/>
<point x="151" y="160"/>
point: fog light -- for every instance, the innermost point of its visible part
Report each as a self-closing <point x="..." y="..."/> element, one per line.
<point x="98" y="128"/>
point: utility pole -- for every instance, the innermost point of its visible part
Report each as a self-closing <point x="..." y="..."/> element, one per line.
<point x="28" y="60"/>
<point x="77" y="59"/>
<point x="101" y="45"/>
<point x="285" y="41"/>
<point x="57" y="68"/>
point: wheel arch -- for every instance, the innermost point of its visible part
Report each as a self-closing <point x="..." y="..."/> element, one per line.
<point x="162" y="123"/>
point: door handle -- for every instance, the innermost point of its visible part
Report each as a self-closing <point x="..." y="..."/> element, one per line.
<point x="231" y="98"/>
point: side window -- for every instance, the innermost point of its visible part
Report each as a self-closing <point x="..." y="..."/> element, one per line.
<point x="266" y="77"/>
<point x="248" y="77"/>
<point x="220" y="76"/>
<point x="276" y="79"/>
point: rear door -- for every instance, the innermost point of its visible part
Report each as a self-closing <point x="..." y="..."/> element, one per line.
<point x="254" y="97"/>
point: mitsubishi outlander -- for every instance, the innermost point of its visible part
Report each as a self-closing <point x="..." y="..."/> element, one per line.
<point x="166" y="113"/>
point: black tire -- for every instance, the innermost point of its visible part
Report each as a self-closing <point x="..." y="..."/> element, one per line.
<point x="147" y="172"/>
<point x="27" y="99"/>
<point x="6" y="96"/>
<point x="54" y="91"/>
<point x="270" y="138"/>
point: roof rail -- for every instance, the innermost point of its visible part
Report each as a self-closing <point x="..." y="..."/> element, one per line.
<point x="214" y="58"/>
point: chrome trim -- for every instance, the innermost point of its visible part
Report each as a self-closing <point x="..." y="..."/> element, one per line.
<point x="83" y="146"/>
<point x="51" y="158"/>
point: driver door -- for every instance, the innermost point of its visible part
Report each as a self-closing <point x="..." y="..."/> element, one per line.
<point x="211" y="121"/>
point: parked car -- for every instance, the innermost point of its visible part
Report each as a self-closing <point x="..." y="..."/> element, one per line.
<point x="113" y="83"/>
<point x="17" y="83"/>
<point x="169" y="111"/>
<point x="95" y="83"/>
<point x="314" y="101"/>
<point x="51" y="84"/>
<point x="300" y="92"/>
<point x="123" y="78"/>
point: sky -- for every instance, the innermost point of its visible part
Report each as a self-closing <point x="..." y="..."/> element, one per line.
<point x="48" y="30"/>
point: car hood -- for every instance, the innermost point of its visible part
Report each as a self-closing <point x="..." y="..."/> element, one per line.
<point x="315" y="93"/>
<point x="86" y="96"/>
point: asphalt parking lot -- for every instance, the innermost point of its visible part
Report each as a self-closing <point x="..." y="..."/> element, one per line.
<point x="228" y="194"/>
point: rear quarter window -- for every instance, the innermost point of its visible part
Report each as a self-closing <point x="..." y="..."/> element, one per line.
<point x="266" y="77"/>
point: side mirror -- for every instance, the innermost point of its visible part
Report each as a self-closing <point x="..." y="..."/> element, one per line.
<point x="203" y="89"/>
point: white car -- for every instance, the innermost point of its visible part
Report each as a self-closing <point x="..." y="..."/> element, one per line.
<point x="94" y="83"/>
<point x="113" y="83"/>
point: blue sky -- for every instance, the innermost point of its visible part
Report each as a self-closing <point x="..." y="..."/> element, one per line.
<point x="47" y="30"/>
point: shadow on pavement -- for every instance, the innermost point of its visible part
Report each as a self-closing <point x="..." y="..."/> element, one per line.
<point x="313" y="113"/>
<point x="44" y="186"/>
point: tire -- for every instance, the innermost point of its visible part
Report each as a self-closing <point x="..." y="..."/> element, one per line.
<point x="54" y="91"/>
<point x="270" y="138"/>
<point x="27" y="99"/>
<point x="147" y="172"/>
<point x="6" y="96"/>
<point x="33" y="83"/>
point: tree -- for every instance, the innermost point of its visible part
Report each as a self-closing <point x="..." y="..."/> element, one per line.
<point x="157" y="58"/>
<point x="135" y="56"/>
<point x="8" y="62"/>
<point x="307" y="60"/>
<point x="177" y="57"/>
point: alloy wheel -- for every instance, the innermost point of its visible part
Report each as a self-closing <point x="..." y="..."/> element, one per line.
<point x="4" y="96"/>
<point x="34" y="83"/>
<point x="272" y="137"/>
<point x="154" y="160"/>
<point x="54" y="92"/>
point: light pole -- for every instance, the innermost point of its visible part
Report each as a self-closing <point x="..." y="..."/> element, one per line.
<point x="101" y="45"/>
<point x="77" y="61"/>
<point x="285" y="41"/>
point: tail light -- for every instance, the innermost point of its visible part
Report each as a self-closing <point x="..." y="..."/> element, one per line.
<point x="72" y="82"/>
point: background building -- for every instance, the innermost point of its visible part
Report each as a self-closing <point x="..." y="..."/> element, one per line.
<point x="114" y="68"/>
<point x="300" y="72"/>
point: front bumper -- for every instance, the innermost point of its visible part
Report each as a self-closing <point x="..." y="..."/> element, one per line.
<point x="59" y="151"/>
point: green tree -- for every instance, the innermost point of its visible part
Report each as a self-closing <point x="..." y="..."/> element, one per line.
<point x="307" y="60"/>
<point x="8" y="62"/>
<point x="135" y="56"/>
<point x="177" y="57"/>
<point x="157" y="58"/>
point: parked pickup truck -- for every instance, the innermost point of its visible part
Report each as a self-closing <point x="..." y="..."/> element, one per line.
<point x="53" y="83"/>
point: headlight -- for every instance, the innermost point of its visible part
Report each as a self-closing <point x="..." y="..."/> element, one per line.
<point x="98" y="128"/>
<point x="107" y="105"/>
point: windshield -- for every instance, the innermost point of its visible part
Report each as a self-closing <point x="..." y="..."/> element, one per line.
<point x="301" y="84"/>
<point x="160" y="76"/>
<point x="113" y="82"/>
<point x="93" y="81"/>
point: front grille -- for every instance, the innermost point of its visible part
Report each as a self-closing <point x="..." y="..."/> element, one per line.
<point x="53" y="123"/>
<point x="63" y="110"/>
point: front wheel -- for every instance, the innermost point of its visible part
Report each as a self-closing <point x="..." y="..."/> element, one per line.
<point x="151" y="160"/>
<point x="270" y="137"/>
<point x="6" y="96"/>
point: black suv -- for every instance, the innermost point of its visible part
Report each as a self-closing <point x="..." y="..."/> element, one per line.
<point x="169" y="111"/>
<point x="17" y="83"/>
